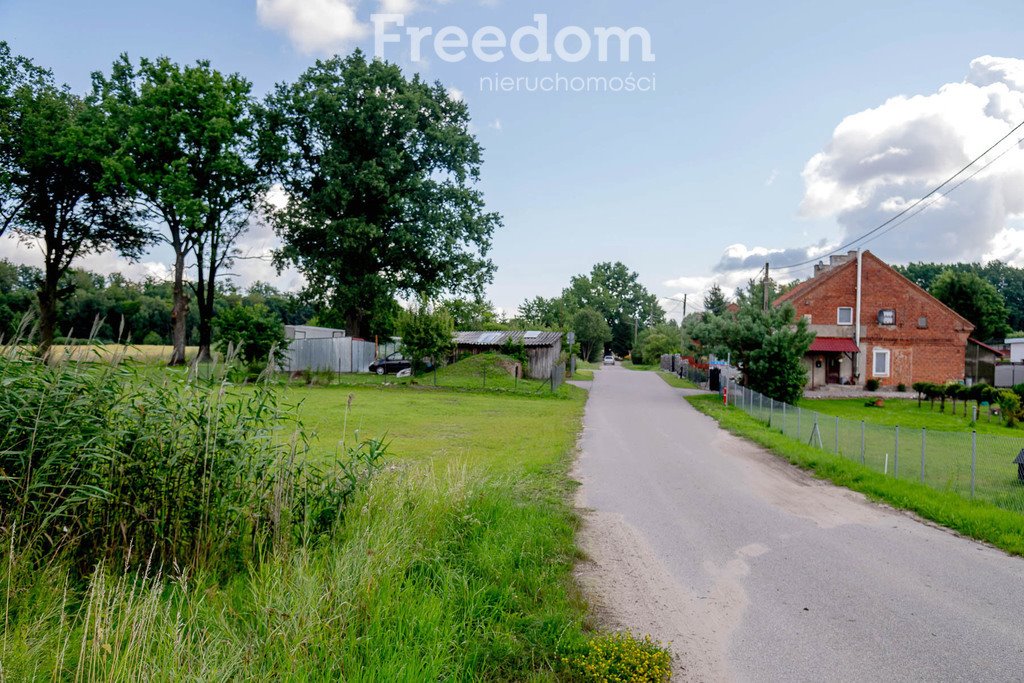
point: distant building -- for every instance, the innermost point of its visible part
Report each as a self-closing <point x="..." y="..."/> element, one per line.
<point x="982" y="360"/>
<point x="905" y="334"/>
<point x="543" y="349"/>
<point x="310" y="332"/>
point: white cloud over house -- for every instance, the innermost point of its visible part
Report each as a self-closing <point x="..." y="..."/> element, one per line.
<point x="879" y="161"/>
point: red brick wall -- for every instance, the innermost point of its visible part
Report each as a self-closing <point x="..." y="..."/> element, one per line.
<point x="934" y="354"/>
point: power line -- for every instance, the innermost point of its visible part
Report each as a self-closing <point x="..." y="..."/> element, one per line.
<point x="917" y="203"/>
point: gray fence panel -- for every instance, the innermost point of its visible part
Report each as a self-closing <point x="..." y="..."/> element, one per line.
<point x="978" y="465"/>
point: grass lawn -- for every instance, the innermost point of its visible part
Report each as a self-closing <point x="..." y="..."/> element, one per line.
<point x="977" y="519"/>
<point x="584" y="375"/>
<point x="905" y="413"/>
<point x="677" y="381"/>
<point x="487" y="373"/>
<point x="455" y="564"/>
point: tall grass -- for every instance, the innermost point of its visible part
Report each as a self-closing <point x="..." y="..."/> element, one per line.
<point x="98" y="463"/>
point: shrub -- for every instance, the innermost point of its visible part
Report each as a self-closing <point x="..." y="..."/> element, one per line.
<point x="872" y="385"/>
<point x="1009" y="404"/>
<point x="901" y="388"/>
<point x="620" y="657"/>
<point x="152" y="338"/>
<point x="253" y="332"/>
<point x="99" y="462"/>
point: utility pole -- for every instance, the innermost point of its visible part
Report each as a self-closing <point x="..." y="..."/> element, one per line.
<point x="682" y="333"/>
<point x="685" y="297"/>
<point x="764" y="286"/>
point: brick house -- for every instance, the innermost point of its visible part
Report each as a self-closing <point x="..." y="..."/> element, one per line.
<point x="905" y="334"/>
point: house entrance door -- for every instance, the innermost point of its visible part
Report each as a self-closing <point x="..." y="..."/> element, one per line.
<point x="832" y="369"/>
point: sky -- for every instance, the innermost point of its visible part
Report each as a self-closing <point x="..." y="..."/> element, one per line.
<point x="756" y="131"/>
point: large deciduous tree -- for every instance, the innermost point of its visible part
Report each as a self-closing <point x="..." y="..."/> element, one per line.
<point x="975" y="299"/>
<point x="616" y="293"/>
<point x="380" y="174"/>
<point x="57" y="186"/>
<point x="592" y="332"/>
<point x="188" y="148"/>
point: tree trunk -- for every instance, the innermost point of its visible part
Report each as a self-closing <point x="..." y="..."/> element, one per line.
<point x="47" y="297"/>
<point x="354" y="324"/>
<point x="179" y="313"/>
<point x="205" y="294"/>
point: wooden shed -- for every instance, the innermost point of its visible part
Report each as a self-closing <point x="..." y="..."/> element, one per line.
<point x="543" y="349"/>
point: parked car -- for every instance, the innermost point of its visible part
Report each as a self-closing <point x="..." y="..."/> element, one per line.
<point x="609" y="360"/>
<point x="392" y="365"/>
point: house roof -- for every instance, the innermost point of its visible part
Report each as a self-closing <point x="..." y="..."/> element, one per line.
<point x="834" y="345"/>
<point x="495" y="339"/>
<point x="974" y="341"/>
<point x="810" y="285"/>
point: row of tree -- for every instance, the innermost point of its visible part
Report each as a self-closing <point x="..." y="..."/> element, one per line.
<point x="611" y="294"/>
<point x="137" y="312"/>
<point x="376" y="176"/>
<point x="991" y="296"/>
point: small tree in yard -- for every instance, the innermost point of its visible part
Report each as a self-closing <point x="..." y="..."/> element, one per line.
<point x="592" y="332"/>
<point x="252" y="331"/>
<point x="767" y="346"/>
<point x="426" y="333"/>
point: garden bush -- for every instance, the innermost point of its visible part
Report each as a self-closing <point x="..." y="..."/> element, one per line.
<point x="872" y="385"/>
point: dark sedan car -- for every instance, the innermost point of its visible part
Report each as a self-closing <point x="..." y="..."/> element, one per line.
<point x="392" y="365"/>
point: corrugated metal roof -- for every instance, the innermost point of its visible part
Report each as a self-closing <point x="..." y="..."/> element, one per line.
<point x="499" y="338"/>
<point x="834" y="345"/>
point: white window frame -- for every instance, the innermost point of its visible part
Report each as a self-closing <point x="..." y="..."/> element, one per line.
<point x="881" y="314"/>
<point x="839" y="316"/>
<point x="874" y="363"/>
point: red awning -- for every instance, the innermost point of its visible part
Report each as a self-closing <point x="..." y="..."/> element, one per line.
<point x="833" y="345"/>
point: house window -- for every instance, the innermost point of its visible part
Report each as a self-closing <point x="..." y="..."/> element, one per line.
<point x="844" y="316"/>
<point x="880" y="366"/>
<point x="807" y="317"/>
<point x="887" y="316"/>
<point x="922" y="323"/>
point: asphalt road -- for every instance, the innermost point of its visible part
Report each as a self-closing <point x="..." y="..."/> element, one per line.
<point x="757" y="572"/>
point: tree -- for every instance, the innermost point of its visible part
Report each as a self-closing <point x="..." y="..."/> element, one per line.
<point x="380" y="174"/>
<point x="426" y="333"/>
<point x="470" y="314"/>
<point x="592" y="333"/>
<point x="616" y="293"/>
<point x="188" y="150"/>
<point x="252" y="332"/>
<point x="545" y="312"/>
<point x="767" y="346"/>
<point x="975" y="299"/>
<point x="715" y="302"/>
<point x="61" y="196"/>
<point x="656" y="342"/>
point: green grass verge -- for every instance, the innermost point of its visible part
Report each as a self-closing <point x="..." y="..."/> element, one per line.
<point x="455" y="565"/>
<point x="906" y="413"/>
<point x="677" y="381"/>
<point x="628" y="364"/>
<point x="979" y="520"/>
<point x="583" y="375"/>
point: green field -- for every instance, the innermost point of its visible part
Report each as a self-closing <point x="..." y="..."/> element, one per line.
<point x="676" y="381"/>
<point x="905" y="413"/>
<point x="992" y="520"/>
<point x="455" y="564"/>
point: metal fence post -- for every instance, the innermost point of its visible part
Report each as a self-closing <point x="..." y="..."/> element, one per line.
<point x="974" y="460"/>
<point x="837" y="435"/>
<point x="896" y="455"/>
<point x="924" y="442"/>
<point x="760" y="405"/>
<point x="771" y="411"/>
<point x="799" y="415"/>
<point x="784" y="419"/>
<point x="862" y="458"/>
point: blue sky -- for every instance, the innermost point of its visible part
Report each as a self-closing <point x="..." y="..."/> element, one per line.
<point x="747" y="94"/>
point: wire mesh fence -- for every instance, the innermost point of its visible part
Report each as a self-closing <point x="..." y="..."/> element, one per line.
<point x="978" y="466"/>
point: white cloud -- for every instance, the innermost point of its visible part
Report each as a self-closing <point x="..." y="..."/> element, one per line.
<point x="314" y="26"/>
<point x="880" y="160"/>
<point x="772" y="177"/>
<point x="496" y="125"/>
<point x="456" y="94"/>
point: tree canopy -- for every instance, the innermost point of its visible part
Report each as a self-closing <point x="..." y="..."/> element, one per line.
<point x="188" y="149"/>
<point x="57" y="187"/>
<point x="379" y="172"/>
<point x="975" y="299"/>
<point x="715" y="302"/>
<point x="1008" y="281"/>
<point x="592" y="333"/>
